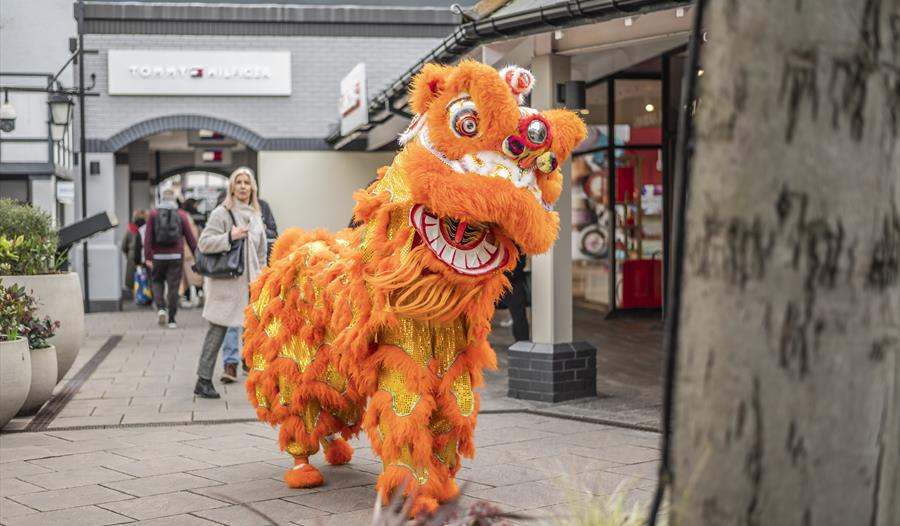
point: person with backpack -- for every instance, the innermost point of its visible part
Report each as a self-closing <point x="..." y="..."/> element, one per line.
<point x="167" y="229"/>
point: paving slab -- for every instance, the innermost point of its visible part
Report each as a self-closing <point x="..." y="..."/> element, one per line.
<point x="10" y="487"/>
<point x="201" y="471"/>
<point x="11" y="508"/>
<point x="81" y="516"/>
<point x="159" y="484"/>
<point x="338" y="501"/>
<point x="249" y="491"/>
<point x="524" y="495"/>
<point x="75" y="477"/>
<point x="242" y="472"/>
<point x="164" y="505"/>
<point x="278" y="510"/>
<point x="61" y="499"/>
<point x="178" y="520"/>
<point x="18" y="468"/>
<point x="80" y="460"/>
<point x="160" y="466"/>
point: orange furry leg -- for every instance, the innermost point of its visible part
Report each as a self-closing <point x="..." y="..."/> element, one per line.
<point x="400" y="479"/>
<point x="338" y="451"/>
<point x="303" y="475"/>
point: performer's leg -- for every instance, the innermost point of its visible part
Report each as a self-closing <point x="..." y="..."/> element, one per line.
<point x="397" y="424"/>
<point x="296" y="441"/>
<point x="337" y="450"/>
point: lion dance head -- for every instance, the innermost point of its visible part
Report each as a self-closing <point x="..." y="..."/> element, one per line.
<point x="473" y="187"/>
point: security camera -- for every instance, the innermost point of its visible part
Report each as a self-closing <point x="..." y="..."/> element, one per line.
<point x="7" y="117"/>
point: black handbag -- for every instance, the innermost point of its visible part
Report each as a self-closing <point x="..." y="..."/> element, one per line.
<point x="227" y="264"/>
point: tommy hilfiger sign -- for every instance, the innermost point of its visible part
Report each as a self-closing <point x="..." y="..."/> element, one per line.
<point x="165" y="72"/>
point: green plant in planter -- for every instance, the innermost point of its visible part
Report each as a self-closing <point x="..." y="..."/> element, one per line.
<point x="18" y="318"/>
<point x="28" y="240"/>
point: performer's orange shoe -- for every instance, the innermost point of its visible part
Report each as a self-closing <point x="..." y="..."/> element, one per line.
<point x="338" y="452"/>
<point x="303" y="475"/>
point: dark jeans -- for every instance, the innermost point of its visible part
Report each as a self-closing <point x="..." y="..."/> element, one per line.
<point x="214" y="337"/>
<point x="166" y="272"/>
<point x="516" y="302"/>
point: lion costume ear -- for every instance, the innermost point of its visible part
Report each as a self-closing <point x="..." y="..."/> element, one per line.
<point x="427" y="85"/>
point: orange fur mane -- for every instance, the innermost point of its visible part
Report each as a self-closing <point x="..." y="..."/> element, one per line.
<point x="384" y="326"/>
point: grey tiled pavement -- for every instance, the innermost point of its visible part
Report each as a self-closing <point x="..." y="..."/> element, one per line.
<point x="146" y="451"/>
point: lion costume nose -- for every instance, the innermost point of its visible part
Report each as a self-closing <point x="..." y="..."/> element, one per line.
<point x="529" y="147"/>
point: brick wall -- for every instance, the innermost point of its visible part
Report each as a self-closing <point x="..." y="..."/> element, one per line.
<point x="317" y="66"/>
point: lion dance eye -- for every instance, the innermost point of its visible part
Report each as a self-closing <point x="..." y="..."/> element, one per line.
<point x="465" y="122"/>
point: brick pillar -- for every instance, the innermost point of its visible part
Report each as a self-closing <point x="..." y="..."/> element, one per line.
<point x="553" y="368"/>
<point x="552" y="372"/>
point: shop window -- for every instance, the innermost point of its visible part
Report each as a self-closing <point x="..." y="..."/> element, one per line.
<point x="597" y="102"/>
<point x="14" y="189"/>
<point x="639" y="110"/>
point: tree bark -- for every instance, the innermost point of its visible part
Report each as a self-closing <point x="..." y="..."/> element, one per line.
<point x="788" y="389"/>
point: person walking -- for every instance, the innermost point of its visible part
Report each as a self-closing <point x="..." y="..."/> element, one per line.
<point x="231" y="345"/>
<point x="130" y="241"/>
<point x="231" y="354"/>
<point x="271" y="226"/>
<point x="190" y="281"/>
<point x="238" y="217"/>
<point x="167" y="229"/>
<point x="516" y="300"/>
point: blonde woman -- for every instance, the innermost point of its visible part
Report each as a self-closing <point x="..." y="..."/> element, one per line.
<point x="238" y="217"/>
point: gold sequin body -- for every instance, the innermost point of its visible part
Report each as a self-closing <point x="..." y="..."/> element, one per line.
<point x="301" y="316"/>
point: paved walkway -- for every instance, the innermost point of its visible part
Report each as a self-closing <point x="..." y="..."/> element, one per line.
<point x="133" y="445"/>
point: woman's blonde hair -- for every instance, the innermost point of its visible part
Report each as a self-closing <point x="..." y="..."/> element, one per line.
<point x="254" y="194"/>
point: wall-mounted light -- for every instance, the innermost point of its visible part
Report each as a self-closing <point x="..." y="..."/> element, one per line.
<point x="629" y="21"/>
<point x="700" y="72"/>
<point x="573" y="95"/>
<point x="60" y="114"/>
<point x="649" y="108"/>
<point x="60" y="108"/>
<point x="57" y="132"/>
<point x="7" y="114"/>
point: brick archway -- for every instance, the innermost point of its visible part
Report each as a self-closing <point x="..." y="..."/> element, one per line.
<point x="182" y="122"/>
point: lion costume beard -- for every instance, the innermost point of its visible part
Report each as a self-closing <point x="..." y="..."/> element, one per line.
<point x="385" y="326"/>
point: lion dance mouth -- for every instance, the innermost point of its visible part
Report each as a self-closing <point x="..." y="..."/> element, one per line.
<point x="467" y="248"/>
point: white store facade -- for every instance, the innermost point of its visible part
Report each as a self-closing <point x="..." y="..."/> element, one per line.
<point x="188" y="91"/>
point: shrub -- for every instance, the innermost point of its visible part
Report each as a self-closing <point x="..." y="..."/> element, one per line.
<point x="28" y="240"/>
<point x="18" y="317"/>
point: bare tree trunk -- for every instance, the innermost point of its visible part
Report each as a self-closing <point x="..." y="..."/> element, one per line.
<point x="788" y="386"/>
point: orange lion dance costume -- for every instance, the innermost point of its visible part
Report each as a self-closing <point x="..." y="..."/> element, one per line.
<point x="385" y="326"/>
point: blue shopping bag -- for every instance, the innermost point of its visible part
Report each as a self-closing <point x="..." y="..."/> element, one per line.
<point x="142" y="293"/>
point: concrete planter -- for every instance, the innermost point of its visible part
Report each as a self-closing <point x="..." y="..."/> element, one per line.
<point x="58" y="296"/>
<point x="43" y="379"/>
<point x="15" y="377"/>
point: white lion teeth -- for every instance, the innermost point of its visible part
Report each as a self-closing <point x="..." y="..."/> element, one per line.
<point x="447" y="255"/>
<point x="472" y="259"/>
<point x="459" y="259"/>
<point x="438" y="245"/>
<point x="482" y="254"/>
<point x="431" y="231"/>
<point x="490" y="248"/>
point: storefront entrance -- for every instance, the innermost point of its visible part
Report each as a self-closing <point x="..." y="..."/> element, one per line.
<point x="621" y="181"/>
